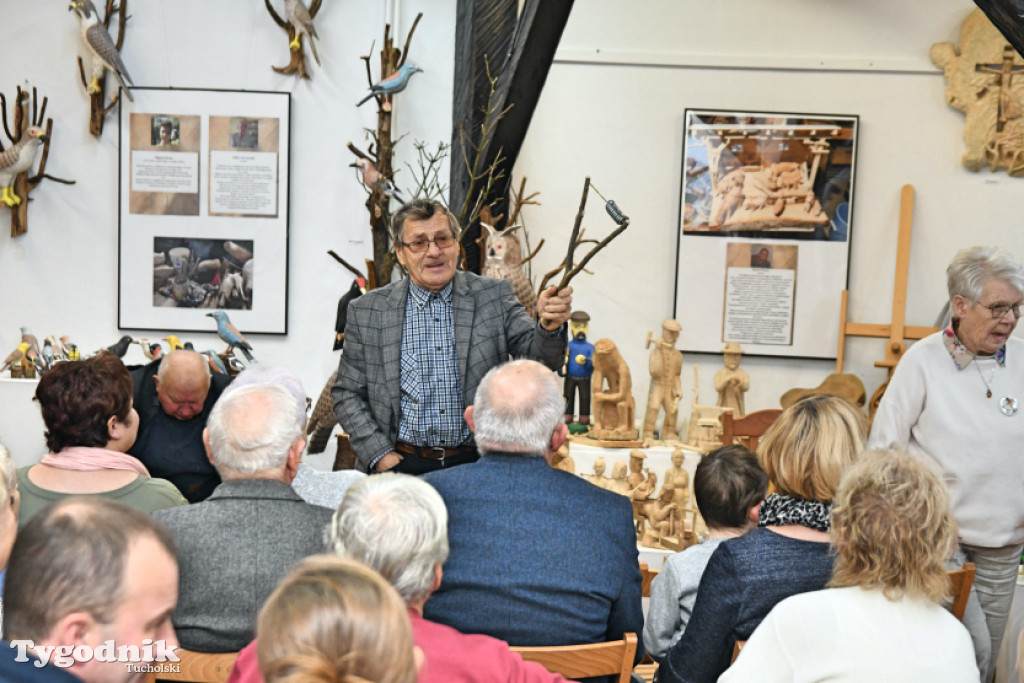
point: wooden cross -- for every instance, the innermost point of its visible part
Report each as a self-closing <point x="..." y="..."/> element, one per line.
<point x="897" y="331"/>
<point x="1005" y="71"/>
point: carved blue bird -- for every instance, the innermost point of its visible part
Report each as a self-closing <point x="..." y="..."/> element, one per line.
<point x="394" y="83"/>
<point x="230" y="334"/>
<point x="216" y="364"/>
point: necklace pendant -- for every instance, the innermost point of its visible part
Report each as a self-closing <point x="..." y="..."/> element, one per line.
<point x="988" y="394"/>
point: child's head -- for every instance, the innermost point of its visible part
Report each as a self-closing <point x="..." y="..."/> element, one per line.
<point x="727" y="484"/>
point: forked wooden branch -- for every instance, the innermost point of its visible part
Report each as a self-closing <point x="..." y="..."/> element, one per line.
<point x="355" y="271"/>
<point x="297" y="63"/>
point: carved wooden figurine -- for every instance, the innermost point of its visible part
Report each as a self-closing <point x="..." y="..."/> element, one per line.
<point x="731" y="382"/>
<point x="983" y="81"/>
<point x="615" y="408"/>
<point x="579" y="368"/>
<point x="663" y="518"/>
<point x="637" y="473"/>
<point x="666" y="363"/>
<point x="504" y="261"/>
<point x="560" y="460"/>
<point x="618" y="482"/>
<point x="679" y="479"/>
<point x="598" y="478"/>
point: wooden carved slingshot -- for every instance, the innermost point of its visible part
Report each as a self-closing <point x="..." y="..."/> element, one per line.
<point x="298" y="57"/>
<point x="23" y="184"/>
<point x="570" y="267"/>
<point x="98" y="109"/>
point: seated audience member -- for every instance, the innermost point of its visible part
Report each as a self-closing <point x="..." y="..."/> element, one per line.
<point x="335" y="620"/>
<point x="729" y="486"/>
<point x="882" y="617"/>
<point x="326" y="489"/>
<point x="83" y="573"/>
<point x="398" y="525"/>
<point x="236" y="545"/>
<point x="10" y="501"/>
<point x="538" y="556"/>
<point x="90" y="425"/>
<point x="174" y="396"/>
<point x="804" y="453"/>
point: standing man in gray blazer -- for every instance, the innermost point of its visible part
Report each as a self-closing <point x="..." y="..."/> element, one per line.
<point x="235" y="546"/>
<point x="416" y="349"/>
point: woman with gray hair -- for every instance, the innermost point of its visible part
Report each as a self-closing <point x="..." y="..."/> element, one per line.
<point x="955" y="399"/>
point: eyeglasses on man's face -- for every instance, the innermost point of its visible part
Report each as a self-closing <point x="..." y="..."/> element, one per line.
<point x="421" y="245"/>
<point x="1000" y="310"/>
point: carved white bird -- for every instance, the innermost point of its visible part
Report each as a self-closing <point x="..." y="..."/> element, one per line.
<point x="17" y="158"/>
<point x="104" y="53"/>
<point x="299" y="16"/>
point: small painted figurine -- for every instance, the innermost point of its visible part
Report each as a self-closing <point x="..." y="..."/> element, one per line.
<point x="579" y="368"/>
<point x="731" y="382"/>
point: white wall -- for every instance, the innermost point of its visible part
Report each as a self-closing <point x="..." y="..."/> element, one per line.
<point x="61" y="277"/>
<point x="612" y="108"/>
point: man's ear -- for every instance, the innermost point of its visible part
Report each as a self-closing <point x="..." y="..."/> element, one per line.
<point x="558" y="437"/>
<point x="76" y="628"/>
<point x="291" y="463"/>
<point x="468" y="417"/>
<point x="438" y="575"/>
<point x="206" y="445"/>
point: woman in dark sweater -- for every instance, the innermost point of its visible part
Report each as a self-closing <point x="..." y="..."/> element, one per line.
<point x="804" y="454"/>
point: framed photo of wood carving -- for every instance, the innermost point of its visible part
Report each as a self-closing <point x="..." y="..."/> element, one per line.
<point x="766" y="206"/>
<point x="203" y="209"/>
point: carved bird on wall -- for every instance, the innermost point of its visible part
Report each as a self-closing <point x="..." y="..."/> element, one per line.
<point x="104" y="53"/>
<point x="372" y="178"/>
<point x="357" y="289"/>
<point x="297" y="13"/>
<point x="394" y="83"/>
<point x="17" y="158"/>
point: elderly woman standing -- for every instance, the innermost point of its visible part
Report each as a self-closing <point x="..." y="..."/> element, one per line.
<point x="956" y="398"/>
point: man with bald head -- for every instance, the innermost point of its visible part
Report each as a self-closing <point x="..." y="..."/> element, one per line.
<point x="238" y="544"/>
<point x="538" y="555"/>
<point x="174" y="396"/>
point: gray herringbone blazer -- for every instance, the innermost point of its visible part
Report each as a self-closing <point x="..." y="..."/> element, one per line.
<point x="491" y="326"/>
<point x="233" y="550"/>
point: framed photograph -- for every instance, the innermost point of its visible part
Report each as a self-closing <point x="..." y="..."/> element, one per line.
<point x="766" y="203"/>
<point x="203" y="210"/>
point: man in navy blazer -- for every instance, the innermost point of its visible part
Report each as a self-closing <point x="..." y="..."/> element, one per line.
<point x="538" y="556"/>
<point x="416" y="350"/>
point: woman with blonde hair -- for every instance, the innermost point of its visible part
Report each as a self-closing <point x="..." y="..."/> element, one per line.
<point x="882" y="618"/>
<point x="804" y="453"/>
<point x="334" y="620"/>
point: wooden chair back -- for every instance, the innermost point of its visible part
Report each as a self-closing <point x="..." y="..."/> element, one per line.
<point x="581" y="661"/>
<point x="751" y="426"/>
<point x="198" y="667"/>
<point x="961" y="581"/>
<point x="736" y="650"/>
<point x="648" y="575"/>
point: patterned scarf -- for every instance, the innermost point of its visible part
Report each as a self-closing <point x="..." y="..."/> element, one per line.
<point x="779" y="510"/>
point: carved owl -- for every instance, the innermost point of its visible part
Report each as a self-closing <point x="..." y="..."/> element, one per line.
<point x="504" y="261"/>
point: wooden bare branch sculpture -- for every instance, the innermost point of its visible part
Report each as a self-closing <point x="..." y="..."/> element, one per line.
<point x="380" y="154"/>
<point x="298" y="57"/>
<point x="98" y="108"/>
<point x="570" y="268"/>
<point x="23" y="120"/>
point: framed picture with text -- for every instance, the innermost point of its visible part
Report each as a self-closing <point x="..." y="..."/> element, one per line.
<point x="203" y="209"/>
<point x="765" y="220"/>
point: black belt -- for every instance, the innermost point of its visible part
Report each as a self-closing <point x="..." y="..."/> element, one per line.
<point x="434" y="452"/>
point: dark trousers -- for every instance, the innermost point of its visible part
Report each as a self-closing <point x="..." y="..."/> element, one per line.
<point x="415" y="464"/>
<point x="572" y="385"/>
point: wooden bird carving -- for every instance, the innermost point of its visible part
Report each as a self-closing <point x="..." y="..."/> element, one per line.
<point x="504" y="261"/>
<point x="16" y="159"/>
<point x="102" y="49"/>
<point x="298" y="14"/>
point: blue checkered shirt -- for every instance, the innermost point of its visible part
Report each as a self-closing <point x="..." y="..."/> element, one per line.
<point x="431" y="402"/>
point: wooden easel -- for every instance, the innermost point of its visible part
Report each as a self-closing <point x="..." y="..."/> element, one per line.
<point x="897" y="331"/>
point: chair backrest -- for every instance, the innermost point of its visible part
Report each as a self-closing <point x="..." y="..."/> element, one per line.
<point x="648" y="574"/>
<point x="198" y="667"/>
<point x="736" y="650"/>
<point x="582" y="661"/>
<point x="752" y="426"/>
<point x="961" y="581"/>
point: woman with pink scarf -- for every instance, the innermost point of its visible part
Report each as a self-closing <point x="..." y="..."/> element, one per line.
<point x="90" y="425"/>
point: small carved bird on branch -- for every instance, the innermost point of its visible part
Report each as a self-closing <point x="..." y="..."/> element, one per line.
<point x="104" y="53"/>
<point x="297" y="13"/>
<point x="394" y="83"/>
<point x="372" y="178"/>
<point x="16" y="159"/>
